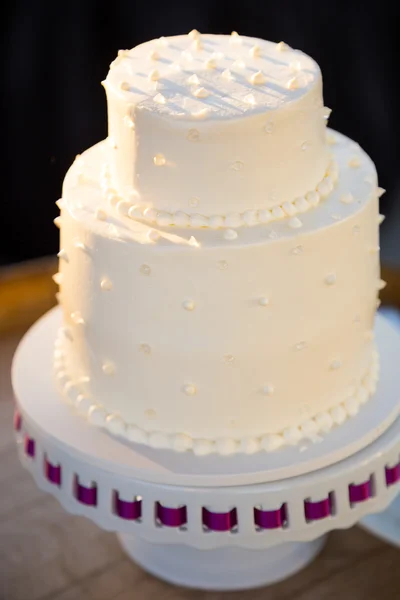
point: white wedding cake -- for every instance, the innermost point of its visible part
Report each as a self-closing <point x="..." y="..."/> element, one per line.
<point x="219" y="263"/>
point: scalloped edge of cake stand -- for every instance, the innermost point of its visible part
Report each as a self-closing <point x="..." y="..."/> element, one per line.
<point x="42" y="406"/>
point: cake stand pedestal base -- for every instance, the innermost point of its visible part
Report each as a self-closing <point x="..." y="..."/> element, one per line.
<point x="225" y="569"/>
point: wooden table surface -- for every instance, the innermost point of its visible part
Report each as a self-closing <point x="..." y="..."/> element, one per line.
<point x="48" y="554"/>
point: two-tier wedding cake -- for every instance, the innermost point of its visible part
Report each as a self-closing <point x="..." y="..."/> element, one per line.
<point x="219" y="262"/>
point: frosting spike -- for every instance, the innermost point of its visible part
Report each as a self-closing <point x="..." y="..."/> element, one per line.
<point x="194" y="34"/>
<point x="258" y="78"/>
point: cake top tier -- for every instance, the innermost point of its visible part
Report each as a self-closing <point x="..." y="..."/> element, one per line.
<point x="214" y="125"/>
<point x="211" y="76"/>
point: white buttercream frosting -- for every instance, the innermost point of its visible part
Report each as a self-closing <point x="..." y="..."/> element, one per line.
<point x="255" y="330"/>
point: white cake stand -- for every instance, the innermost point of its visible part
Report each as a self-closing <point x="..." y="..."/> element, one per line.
<point x="218" y="523"/>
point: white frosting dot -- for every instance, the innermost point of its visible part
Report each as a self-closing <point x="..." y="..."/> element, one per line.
<point x="380" y="191"/>
<point x="97" y="415"/>
<point x="226" y="74"/>
<point x="354" y="162"/>
<point x="230" y="234"/>
<point x="160" y="99"/>
<point x="301" y="204"/>
<point x="272" y="442"/>
<point x="282" y="47"/>
<point x="145" y="270"/>
<point x="297" y="250"/>
<point x="136" y="435"/>
<point x="201" y="92"/>
<point x="115" y="424"/>
<point x="193" y="80"/>
<point x="77" y="318"/>
<point x="211" y="63"/>
<point x="108" y="368"/>
<point x="153" y="55"/>
<point x="229" y="359"/>
<point x="264" y="216"/>
<point x="338" y="414"/>
<point x="105" y="284"/>
<point x="269" y="127"/>
<point x="300" y="346"/>
<point x="263" y="301"/>
<point x="326" y="112"/>
<point x="154" y="75"/>
<point x="150" y="413"/>
<point x="309" y="428"/>
<point x="193" y="135"/>
<point x="295" y="223"/>
<point x="222" y="265"/>
<point x="235" y="38"/>
<point x="258" y="78"/>
<point x="292" y="435"/>
<point x="335" y="365"/>
<point x="58" y="278"/>
<point x="145" y="349"/>
<point x="226" y="446"/>
<point x="324" y="422"/>
<point x="159" y="160"/>
<point x="347" y="198"/>
<point x="193" y="242"/>
<point x="182" y="442"/>
<point x="188" y="305"/>
<point x="267" y="389"/>
<point x="330" y="279"/>
<point x="83" y="404"/>
<point x="63" y="255"/>
<point x="250" y="99"/>
<point x="101" y="215"/>
<point x="249" y="445"/>
<point x="352" y="406"/>
<point x="239" y="64"/>
<point x="381" y="284"/>
<point x="278" y="212"/>
<point x="289" y="208"/>
<point x="216" y="221"/>
<point x="194" y="34"/>
<point x="255" y="51"/>
<point x="381" y="218"/>
<point x="153" y="235"/>
<point x="237" y="165"/>
<point x="313" y="198"/>
<point x="293" y="83"/>
<point x="124" y="85"/>
<point x="189" y="389"/>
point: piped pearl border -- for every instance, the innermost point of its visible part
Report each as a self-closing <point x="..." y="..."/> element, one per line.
<point x="196" y="220"/>
<point x="311" y="429"/>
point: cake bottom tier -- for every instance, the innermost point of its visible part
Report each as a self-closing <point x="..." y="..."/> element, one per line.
<point x="311" y="429"/>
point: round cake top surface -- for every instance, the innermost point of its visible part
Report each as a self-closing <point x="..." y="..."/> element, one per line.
<point x="208" y="76"/>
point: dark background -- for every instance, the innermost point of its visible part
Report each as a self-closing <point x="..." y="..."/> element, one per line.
<point x="56" y="53"/>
